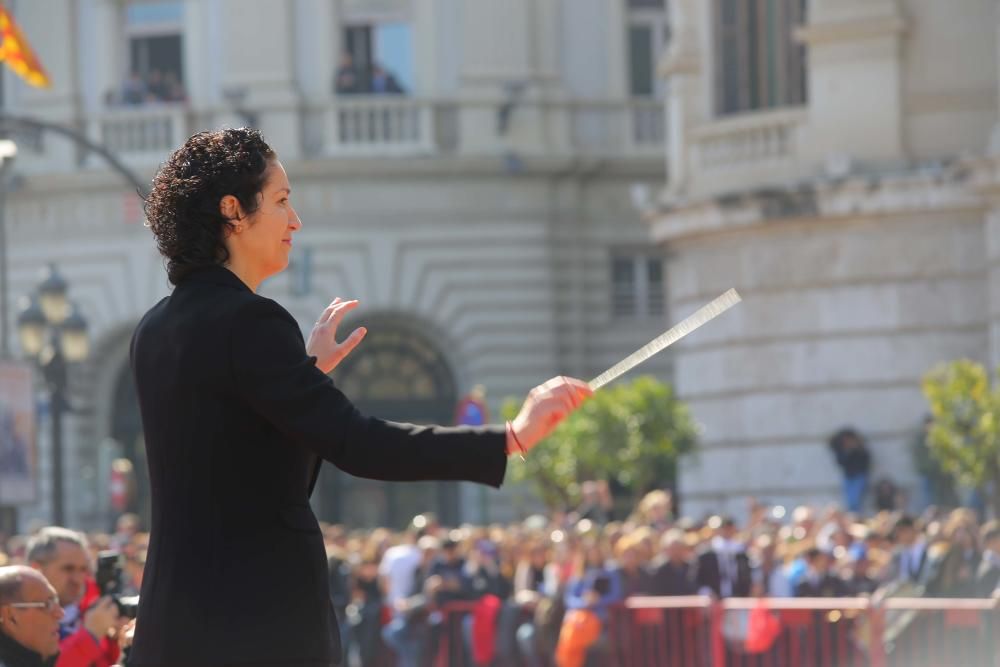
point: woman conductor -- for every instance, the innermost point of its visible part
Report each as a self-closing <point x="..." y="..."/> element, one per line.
<point x="239" y="412"/>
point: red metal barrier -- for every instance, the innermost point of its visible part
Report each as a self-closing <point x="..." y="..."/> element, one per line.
<point x="695" y="631"/>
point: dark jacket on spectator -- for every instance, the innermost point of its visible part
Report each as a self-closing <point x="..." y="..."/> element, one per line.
<point x="668" y="578"/>
<point x="828" y="586"/>
<point x="238" y="419"/>
<point x="13" y="654"/>
<point x="708" y="574"/>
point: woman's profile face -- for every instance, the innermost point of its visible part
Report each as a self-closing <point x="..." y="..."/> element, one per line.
<point x="264" y="239"/>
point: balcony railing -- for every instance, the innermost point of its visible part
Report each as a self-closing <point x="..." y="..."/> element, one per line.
<point x="648" y="125"/>
<point x="141" y="136"/>
<point x="634" y="127"/>
<point x="378" y="125"/>
<point x="749" y="139"/>
<point x="391" y="126"/>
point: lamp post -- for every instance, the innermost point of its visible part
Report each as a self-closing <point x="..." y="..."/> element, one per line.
<point x="53" y="334"/>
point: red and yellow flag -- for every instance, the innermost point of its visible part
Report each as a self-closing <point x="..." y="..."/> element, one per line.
<point x="15" y="50"/>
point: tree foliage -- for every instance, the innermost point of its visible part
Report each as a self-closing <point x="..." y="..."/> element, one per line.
<point x="965" y="435"/>
<point x="632" y="433"/>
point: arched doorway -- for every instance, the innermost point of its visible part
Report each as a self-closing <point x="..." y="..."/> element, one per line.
<point x="398" y="374"/>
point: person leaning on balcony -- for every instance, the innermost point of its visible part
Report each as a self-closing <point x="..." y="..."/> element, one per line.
<point x="239" y="411"/>
<point x="348" y="79"/>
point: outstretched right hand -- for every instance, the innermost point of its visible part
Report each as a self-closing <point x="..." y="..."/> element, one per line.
<point x="544" y="408"/>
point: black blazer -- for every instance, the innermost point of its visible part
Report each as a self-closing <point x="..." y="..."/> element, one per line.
<point x="237" y="420"/>
<point x="708" y="574"/>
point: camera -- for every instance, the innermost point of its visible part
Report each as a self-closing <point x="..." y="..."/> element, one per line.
<point x="110" y="573"/>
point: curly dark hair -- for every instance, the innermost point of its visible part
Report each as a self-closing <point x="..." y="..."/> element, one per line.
<point x="183" y="207"/>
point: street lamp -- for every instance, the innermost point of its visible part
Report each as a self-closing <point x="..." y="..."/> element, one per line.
<point x="53" y="334"/>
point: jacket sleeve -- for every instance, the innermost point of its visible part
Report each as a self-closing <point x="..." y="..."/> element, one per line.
<point x="80" y="649"/>
<point x="280" y="381"/>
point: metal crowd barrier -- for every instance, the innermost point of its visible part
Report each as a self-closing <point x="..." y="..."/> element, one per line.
<point x="697" y="631"/>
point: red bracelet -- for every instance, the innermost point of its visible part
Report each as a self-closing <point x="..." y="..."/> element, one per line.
<point x="521" y="450"/>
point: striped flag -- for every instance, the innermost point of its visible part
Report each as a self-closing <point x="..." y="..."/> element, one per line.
<point x="15" y="50"/>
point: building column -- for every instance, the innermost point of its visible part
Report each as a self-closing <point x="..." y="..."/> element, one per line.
<point x="261" y="80"/>
<point x="506" y="64"/>
<point x="51" y="28"/>
<point x="688" y="105"/>
<point x="855" y="54"/>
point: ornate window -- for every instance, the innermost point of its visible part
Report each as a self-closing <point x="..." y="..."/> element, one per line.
<point x="758" y="64"/>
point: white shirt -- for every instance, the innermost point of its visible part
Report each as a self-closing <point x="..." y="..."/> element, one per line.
<point x="398" y="567"/>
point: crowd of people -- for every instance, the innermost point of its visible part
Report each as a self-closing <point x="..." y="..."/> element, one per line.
<point x="521" y="583"/>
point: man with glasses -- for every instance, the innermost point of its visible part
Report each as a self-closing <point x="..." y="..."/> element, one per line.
<point x="60" y="555"/>
<point x="29" y="618"/>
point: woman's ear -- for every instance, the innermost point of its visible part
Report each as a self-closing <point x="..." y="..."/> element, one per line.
<point x="229" y="207"/>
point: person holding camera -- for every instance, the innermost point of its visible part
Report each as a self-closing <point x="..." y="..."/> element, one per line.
<point x="29" y="618"/>
<point x="85" y="631"/>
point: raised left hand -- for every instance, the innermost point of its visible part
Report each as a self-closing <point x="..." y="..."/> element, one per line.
<point x="322" y="342"/>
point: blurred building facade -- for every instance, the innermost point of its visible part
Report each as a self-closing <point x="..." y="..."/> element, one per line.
<point x="832" y="160"/>
<point x="470" y="174"/>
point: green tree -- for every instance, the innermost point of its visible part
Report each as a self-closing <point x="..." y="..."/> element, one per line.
<point x="632" y="433"/>
<point x="965" y="435"/>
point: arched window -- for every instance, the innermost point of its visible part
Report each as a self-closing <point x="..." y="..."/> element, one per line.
<point x="399" y="374"/>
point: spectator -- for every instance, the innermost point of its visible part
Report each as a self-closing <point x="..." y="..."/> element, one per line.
<point x="595" y="588"/>
<point x="348" y="79"/>
<point x="888" y="496"/>
<point x="656" y="510"/>
<point x="859" y="579"/>
<point x="819" y="582"/>
<point x="399" y="565"/>
<point x="910" y="552"/>
<point x="853" y="457"/>
<point x="414" y="630"/>
<point x="723" y="568"/>
<point x="156" y="87"/>
<point x="770" y="578"/>
<point x="173" y="88"/>
<point x="364" y="613"/>
<point x="482" y="571"/>
<point x="383" y="82"/>
<point x="672" y="573"/>
<point x="29" y="618"/>
<point x="84" y="630"/>
<point x="134" y="90"/>
<point x="430" y="548"/>
<point x="633" y="576"/>
<point x="126" y="528"/>
<point x="936" y="486"/>
<point x="596" y="504"/>
<point x="450" y="567"/>
<point x="954" y="568"/>
<point x="988" y="574"/>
